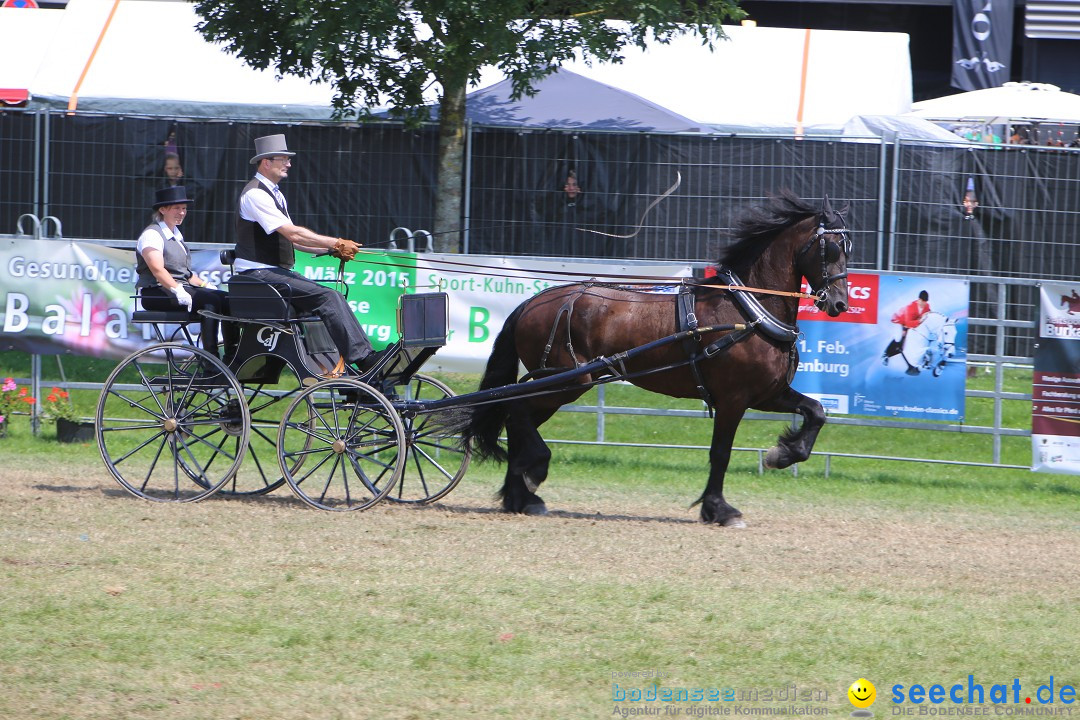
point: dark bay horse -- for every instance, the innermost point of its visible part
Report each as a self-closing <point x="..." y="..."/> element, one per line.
<point x="564" y="327"/>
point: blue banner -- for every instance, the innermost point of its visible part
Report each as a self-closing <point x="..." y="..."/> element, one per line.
<point x="896" y="355"/>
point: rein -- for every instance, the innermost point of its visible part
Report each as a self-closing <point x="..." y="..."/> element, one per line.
<point x="644" y="280"/>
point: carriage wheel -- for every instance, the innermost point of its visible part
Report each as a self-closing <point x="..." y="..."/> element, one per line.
<point x="434" y="462"/>
<point x="341" y="445"/>
<point x="160" y="420"/>
<point x="266" y="403"/>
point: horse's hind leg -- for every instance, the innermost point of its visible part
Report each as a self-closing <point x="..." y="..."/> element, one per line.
<point x="794" y="446"/>
<point x="528" y="458"/>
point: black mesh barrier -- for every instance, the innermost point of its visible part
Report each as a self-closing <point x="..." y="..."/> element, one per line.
<point x="352" y="181"/>
<point x="18" y="158"/>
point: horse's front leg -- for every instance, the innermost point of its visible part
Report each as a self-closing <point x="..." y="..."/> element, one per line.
<point x="794" y="446"/>
<point x="714" y="508"/>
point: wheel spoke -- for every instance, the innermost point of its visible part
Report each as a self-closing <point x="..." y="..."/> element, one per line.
<point x="354" y="425"/>
<point x="186" y="402"/>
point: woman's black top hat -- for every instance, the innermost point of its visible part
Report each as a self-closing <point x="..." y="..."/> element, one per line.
<point x="175" y="195"/>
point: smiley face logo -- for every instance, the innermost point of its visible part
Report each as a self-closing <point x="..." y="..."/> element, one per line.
<point x="862" y="693"/>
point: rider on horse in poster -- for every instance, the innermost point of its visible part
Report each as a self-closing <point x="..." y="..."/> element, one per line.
<point x="906" y="318"/>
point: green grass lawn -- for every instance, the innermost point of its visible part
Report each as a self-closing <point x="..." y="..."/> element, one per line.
<point x="898" y="572"/>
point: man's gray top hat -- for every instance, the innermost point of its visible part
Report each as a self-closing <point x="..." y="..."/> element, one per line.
<point x="270" y="146"/>
<point x="175" y="195"/>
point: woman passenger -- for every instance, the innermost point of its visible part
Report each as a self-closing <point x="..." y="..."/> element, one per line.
<point x="163" y="263"/>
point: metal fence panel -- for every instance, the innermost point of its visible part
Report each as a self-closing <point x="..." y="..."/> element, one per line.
<point x="521" y="205"/>
<point x="20" y="153"/>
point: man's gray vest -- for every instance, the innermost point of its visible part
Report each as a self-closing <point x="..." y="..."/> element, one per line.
<point x="252" y="242"/>
<point x="177" y="261"/>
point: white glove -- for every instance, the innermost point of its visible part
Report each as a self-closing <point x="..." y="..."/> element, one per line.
<point x="182" y="296"/>
<point x="209" y="286"/>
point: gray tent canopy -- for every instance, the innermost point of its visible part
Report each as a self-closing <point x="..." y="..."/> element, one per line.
<point x="567" y="100"/>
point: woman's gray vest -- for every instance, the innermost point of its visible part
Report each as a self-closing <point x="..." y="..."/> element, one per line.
<point x="252" y="242"/>
<point x="177" y="261"/>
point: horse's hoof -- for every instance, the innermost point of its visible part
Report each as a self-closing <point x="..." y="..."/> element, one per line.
<point x="735" y="522"/>
<point x="772" y="458"/>
<point x="535" y="509"/>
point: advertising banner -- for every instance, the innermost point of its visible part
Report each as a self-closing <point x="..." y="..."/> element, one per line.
<point x="66" y="297"/>
<point x="481" y="298"/>
<point x="72" y="297"/>
<point x="1055" y="392"/>
<point x="892" y="354"/>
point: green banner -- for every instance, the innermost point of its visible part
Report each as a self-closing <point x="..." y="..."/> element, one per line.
<point x="76" y="297"/>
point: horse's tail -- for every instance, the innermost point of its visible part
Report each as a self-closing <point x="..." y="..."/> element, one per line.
<point x="486" y="421"/>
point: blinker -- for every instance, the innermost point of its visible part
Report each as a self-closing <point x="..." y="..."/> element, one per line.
<point x="832" y="252"/>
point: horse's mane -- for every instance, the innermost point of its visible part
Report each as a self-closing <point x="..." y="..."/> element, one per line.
<point x="755" y="228"/>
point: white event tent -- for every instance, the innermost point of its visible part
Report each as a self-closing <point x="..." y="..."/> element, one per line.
<point x="144" y="56"/>
<point x="1012" y="102"/>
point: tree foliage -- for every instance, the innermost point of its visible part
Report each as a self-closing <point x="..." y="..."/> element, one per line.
<point x="393" y="52"/>
<point x="380" y="52"/>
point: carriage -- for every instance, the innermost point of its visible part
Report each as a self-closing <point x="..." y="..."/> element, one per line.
<point x="178" y="424"/>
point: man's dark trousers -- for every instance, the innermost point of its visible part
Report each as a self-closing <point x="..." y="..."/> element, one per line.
<point x="327" y="304"/>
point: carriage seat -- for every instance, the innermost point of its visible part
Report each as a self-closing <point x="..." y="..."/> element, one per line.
<point x="253" y="299"/>
<point x="178" y="317"/>
<point x="158" y="319"/>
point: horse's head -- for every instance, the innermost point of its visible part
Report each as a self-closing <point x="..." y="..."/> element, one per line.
<point x="823" y="260"/>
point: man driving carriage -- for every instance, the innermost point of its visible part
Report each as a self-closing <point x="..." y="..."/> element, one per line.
<point x="906" y="318"/>
<point x="266" y="244"/>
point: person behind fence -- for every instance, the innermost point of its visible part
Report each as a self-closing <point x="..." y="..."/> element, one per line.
<point x="163" y="264"/>
<point x="906" y="318"/>
<point x="172" y="171"/>
<point x="266" y="244"/>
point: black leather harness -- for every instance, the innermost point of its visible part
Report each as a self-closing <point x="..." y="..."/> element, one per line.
<point x="758" y="320"/>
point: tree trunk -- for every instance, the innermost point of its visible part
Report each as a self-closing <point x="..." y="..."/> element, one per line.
<point x="449" y="182"/>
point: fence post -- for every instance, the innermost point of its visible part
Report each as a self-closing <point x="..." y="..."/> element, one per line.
<point x="466" y="191"/>
<point x="45" y="153"/>
<point x="882" y="189"/>
<point x="600" y="426"/>
<point x="999" y="367"/>
<point x="38" y="151"/>
<point x="893" y="198"/>
<point x="35" y="392"/>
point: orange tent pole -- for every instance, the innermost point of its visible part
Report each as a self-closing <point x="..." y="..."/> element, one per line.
<point x="802" y="84"/>
<point x="73" y="101"/>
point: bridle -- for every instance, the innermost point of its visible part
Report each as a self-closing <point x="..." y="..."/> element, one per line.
<point x="830" y="252"/>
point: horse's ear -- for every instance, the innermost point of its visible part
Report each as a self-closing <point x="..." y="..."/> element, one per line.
<point x="826" y="207"/>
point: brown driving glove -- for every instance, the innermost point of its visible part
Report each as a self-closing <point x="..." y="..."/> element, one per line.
<point x="345" y="249"/>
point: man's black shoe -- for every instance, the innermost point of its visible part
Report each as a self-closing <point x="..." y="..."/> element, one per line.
<point x="372" y="358"/>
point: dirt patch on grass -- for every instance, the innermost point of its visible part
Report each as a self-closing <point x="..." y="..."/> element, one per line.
<point x="595" y="535"/>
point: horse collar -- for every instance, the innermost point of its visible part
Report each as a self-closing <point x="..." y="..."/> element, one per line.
<point x="760" y="318"/>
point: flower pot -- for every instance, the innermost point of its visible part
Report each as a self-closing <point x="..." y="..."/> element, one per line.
<point x="74" y="431"/>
